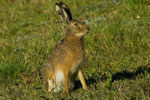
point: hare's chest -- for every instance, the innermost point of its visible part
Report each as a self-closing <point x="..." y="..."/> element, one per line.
<point x="75" y="68"/>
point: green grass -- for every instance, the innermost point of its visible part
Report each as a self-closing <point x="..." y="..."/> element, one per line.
<point x="117" y="65"/>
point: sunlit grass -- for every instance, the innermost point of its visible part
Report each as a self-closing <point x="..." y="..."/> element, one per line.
<point x="117" y="48"/>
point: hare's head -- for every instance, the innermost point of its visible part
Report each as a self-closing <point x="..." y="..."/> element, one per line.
<point x="74" y="27"/>
<point x="77" y="28"/>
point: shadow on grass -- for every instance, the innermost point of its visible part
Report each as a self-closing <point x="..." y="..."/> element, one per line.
<point x="130" y="75"/>
<point x="117" y="76"/>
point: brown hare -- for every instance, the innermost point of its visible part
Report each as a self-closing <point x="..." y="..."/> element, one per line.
<point x="63" y="65"/>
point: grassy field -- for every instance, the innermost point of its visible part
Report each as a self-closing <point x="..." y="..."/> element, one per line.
<point x="117" y="65"/>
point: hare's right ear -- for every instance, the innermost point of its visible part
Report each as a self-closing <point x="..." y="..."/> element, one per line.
<point x="63" y="11"/>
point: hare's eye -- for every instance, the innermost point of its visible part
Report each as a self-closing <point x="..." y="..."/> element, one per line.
<point x="75" y="24"/>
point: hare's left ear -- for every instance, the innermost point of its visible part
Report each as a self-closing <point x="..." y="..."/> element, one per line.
<point x="63" y="11"/>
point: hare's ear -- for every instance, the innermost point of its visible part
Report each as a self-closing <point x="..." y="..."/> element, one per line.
<point x="63" y="11"/>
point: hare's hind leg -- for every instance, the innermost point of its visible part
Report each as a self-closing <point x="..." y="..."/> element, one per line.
<point x="49" y="84"/>
<point x="46" y="86"/>
<point x="48" y="77"/>
<point x="81" y="78"/>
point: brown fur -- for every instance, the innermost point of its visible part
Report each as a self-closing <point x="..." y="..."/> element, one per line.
<point x="66" y="58"/>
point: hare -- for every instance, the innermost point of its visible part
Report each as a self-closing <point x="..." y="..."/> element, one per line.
<point x="63" y="65"/>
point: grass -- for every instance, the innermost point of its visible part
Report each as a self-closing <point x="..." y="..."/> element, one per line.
<point x="117" y="65"/>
